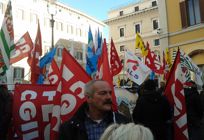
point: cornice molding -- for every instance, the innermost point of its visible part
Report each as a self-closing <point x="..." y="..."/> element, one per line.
<point x="130" y="14"/>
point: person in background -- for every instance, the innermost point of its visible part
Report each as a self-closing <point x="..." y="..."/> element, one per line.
<point x="152" y="110"/>
<point x="128" y="131"/>
<point x="94" y="116"/>
<point x="194" y="112"/>
<point x="5" y="111"/>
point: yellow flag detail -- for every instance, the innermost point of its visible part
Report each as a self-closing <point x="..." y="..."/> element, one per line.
<point x="140" y="44"/>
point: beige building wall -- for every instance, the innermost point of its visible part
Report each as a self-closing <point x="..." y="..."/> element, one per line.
<point x="144" y="16"/>
<point x="178" y="31"/>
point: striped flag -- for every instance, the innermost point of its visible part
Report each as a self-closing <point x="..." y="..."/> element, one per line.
<point x="174" y="92"/>
<point x="190" y="67"/>
<point x="6" y="39"/>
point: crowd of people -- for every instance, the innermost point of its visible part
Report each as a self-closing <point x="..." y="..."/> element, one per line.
<point x="95" y="120"/>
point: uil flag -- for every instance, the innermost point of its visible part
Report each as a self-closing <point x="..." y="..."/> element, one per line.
<point x="139" y="44"/>
<point x="136" y="70"/>
<point x="6" y="39"/>
<point x="175" y="94"/>
<point x="116" y="65"/>
<point x="33" y="58"/>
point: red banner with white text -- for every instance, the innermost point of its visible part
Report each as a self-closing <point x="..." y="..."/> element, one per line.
<point x="32" y="111"/>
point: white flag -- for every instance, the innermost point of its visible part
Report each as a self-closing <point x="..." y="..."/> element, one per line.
<point x="137" y="71"/>
<point x="6" y="39"/>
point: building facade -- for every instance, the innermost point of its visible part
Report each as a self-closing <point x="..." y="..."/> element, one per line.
<point x="125" y="21"/>
<point x="70" y="29"/>
<point x="182" y="25"/>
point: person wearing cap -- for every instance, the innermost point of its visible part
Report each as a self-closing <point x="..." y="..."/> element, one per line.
<point x="152" y="110"/>
<point x="94" y="116"/>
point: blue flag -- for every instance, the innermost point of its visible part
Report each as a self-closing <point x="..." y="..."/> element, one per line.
<point x="46" y="59"/>
<point x="93" y="53"/>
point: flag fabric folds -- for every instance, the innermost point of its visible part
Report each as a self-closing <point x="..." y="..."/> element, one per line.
<point x="71" y="87"/>
<point x="175" y="94"/>
<point x="91" y="58"/>
<point x="116" y="65"/>
<point x="6" y="39"/>
<point x="136" y="70"/>
<point x="54" y="73"/>
<point x="104" y="72"/>
<point x="46" y="59"/>
<point x="190" y="67"/>
<point x="33" y="58"/>
<point x="22" y="48"/>
<point x="139" y="44"/>
<point x="153" y="61"/>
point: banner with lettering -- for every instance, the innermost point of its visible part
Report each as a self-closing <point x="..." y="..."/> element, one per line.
<point x="22" y="48"/>
<point x="32" y="111"/>
<point x="71" y="87"/>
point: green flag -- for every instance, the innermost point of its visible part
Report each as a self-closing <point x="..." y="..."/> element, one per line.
<point x="6" y="39"/>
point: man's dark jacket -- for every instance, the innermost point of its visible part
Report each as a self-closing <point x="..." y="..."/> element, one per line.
<point x="74" y="129"/>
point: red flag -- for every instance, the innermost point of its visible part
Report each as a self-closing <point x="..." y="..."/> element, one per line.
<point x="33" y="58"/>
<point x="32" y="108"/>
<point x="116" y="65"/>
<point x="153" y="61"/>
<point x="22" y="48"/>
<point x="71" y="88"/>
<point x="105" y="73"/>
<point x="54" y="73"/>
<point x="175" y="94"/>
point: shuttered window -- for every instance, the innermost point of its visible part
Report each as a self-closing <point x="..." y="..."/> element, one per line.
<point x="192" y="12"/>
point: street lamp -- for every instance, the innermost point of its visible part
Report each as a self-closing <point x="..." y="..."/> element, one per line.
<point x="52" y="11"/>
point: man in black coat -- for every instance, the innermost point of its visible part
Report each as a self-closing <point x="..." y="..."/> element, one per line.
<point x="94" y="116"/>
<point x="152" y="110"/>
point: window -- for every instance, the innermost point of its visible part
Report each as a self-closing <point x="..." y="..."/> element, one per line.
<point x="154" y="3"/>
<point x="79" y="55"/>
<point x="60" y="26"/>
<point x="122" y="32"/>
<point x="122" y="48"/>
<point x="137" y="28"/>
<point x="156" y="42"/>
<point x="192" y="12"/>
<point x="72" y="29"/>
<point x="59" y="52"/>
<point x="155" y="24"/>
<point x="136" y="8"/>
<point x="121" y="13"/>
<point x="18" y="73"/>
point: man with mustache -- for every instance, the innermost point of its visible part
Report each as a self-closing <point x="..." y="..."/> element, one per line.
<point x="94" y="116"/>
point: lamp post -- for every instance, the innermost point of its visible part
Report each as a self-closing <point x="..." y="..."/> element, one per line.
<point x="52" y="12"/>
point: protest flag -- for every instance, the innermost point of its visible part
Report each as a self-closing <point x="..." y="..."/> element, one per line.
<point x="116" y="65"/>
<point x="6" y="39"/>
<point x="104" y="72"/>
<point x="139" y="44"/>
<point x="136" y="70"/>
<point x="174" y="92"/>
<point x="22" y="48"/>
<point x="33" y="58"/>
